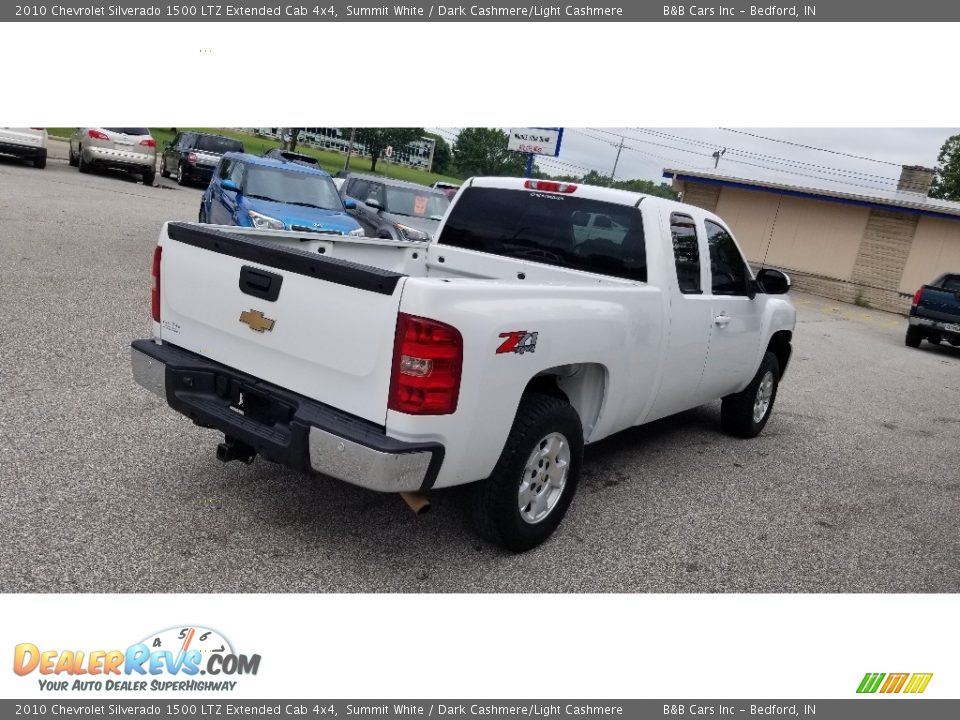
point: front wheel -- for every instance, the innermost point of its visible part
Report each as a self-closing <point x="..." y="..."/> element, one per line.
<point x="525" y="498"/>
<point x="164" y="173"/>
<point x="745" y="413"/>
<point x="202" y="215"/>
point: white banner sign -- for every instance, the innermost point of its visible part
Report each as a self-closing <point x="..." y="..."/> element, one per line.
<point x="539" y="141"/>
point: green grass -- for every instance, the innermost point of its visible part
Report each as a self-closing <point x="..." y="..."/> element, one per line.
<point x="332" y="162"/>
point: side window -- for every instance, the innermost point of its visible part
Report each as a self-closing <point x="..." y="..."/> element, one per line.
<point x="686" y="252"/>
<point x="727" y="269"/>
<point x="375" y="192"/>
<point x="177" y="140"/>
<point x="224" y="172"/>
<point x="236" y="173"/>
<point x="188" y="141"/>
<point x="358" y="189"/>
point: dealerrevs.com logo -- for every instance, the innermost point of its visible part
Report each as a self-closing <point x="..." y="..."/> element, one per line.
<point x="892" y="683"/>
<point x="172" y="659"/>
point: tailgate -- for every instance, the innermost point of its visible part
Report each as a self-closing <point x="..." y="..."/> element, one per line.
<point x="317" y="326"/>
<point x="939" y="304"/>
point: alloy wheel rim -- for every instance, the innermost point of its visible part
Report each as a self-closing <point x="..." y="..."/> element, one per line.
<point x="761" y="403"/>
<point x="544" y="478"/>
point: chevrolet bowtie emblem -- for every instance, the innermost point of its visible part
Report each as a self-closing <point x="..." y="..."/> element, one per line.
<point x="256" y="320"/>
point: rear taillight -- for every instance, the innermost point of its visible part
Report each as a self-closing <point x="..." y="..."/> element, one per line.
<point x="916" y="297"/>
<point x="97" y="135"/>
<point x="192" y="158"/>
<point x="149" y="142"/>
<point x="155" y="294"/>
<point x="550" y="186"/>
<point x="427" y="361"/>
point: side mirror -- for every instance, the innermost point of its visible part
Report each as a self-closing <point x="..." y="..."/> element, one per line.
<point x="349" y="204"/>
<point x="374" y="203"/>
<point x="230" y="185"/>
<point x="773" y="282"/>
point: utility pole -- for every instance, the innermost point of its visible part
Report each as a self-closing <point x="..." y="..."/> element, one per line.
<point x="613" y="174"/>
<point x="346" y="163"/>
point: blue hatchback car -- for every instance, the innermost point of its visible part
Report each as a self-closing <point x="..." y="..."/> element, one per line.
<point x="270" y="194"/>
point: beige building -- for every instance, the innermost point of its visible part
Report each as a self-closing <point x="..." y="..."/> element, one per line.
<point x="873" y="247"/>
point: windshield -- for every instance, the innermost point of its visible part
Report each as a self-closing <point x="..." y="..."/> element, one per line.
<point x="289" y="186"/>
<point x="563" y="230"/>
<point x="416" y="203"/>
<point x="218" y="145"/>
<point x="129" y="131"/>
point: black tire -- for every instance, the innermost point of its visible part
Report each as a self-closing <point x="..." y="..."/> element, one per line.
<point x="82" y="165"/>
<point x="914" y="336"/>
<point x="496" y="502"/>
<point x="181" y="176"/>
<point x="149" y="177"/>
<point x="71" y="158"/>
<point x="40" y="161"/>
<point x="737" y="413"/>
<point x="164" y="173"/>
<point x="201" y="216"/>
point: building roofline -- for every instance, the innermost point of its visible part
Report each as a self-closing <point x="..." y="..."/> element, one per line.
<point x="905" y="202"/>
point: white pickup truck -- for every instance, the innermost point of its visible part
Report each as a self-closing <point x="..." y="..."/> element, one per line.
<point x="494" y="353"/>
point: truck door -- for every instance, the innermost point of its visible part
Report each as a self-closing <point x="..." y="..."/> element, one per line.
<point x="690" y="319"/>
<point x="735" y="328"/>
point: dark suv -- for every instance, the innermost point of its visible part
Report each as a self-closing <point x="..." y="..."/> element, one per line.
<point x="393" y="208"/>
<point x="192" y="156"/>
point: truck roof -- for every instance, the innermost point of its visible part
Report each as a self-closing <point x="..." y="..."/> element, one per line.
<point x="274" y="163"/>
<point x="592" y="192"/>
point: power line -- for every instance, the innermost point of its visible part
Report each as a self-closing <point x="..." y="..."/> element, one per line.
<point x="812" y="147"/>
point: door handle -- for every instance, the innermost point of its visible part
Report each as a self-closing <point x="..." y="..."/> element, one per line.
<point x="721" y="320"/>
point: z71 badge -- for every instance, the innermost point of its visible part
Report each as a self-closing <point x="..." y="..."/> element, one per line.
<point x="518" y="341"/>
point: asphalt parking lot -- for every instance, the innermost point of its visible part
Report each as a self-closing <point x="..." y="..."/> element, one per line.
<point x="853" y="487"/>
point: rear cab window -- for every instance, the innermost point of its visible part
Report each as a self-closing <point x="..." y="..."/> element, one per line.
<point x="563" y="230"/>
<point x="686" y="252"/>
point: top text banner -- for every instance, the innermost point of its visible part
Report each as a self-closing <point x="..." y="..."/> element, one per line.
<point x="490" y="11"/>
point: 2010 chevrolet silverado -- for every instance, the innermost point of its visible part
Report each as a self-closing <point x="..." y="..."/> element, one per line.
<point x="493" y="353"/>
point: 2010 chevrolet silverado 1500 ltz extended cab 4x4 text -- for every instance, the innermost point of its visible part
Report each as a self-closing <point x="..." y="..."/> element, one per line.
<point x="493" y="353"/>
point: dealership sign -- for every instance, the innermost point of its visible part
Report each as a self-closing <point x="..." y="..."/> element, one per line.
<point x="536" y="141"/>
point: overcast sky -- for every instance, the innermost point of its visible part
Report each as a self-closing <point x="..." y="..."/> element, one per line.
<point x="647" y="151"/>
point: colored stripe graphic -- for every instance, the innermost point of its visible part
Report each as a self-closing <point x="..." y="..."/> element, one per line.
<point x="894" y="682"/>
<point x="870" y="682"/>
<point x="918" y="683"/>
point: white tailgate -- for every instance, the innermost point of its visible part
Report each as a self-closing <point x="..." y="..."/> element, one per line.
<point x="330" y="342"/>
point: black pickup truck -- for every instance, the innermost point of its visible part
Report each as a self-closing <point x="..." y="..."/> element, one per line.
<point x="935" y="313"/>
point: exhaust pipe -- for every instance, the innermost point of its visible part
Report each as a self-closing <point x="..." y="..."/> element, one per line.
<point x="231" y="449"/>
<point x="417" y="501"/>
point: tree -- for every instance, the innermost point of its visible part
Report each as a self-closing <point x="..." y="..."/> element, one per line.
<point x="442" y="155"/>
<point x="946" y="183"/>
<point x="376" y="140"/>
<point x="290" y="137"/>
<point x="483" y="151"/>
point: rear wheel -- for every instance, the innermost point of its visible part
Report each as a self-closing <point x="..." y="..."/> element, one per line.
<point x="914" y="336"/>
<point x="164" y="173"/>
<point x="82" y="165"/>
<point x="71" y="158"/>
<point x="745" y="413"/>
<point x="40" y="161"/>
<point x="149" y="177"/>
<point x="525" y="498"/>
<point x="181" y="178"/>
